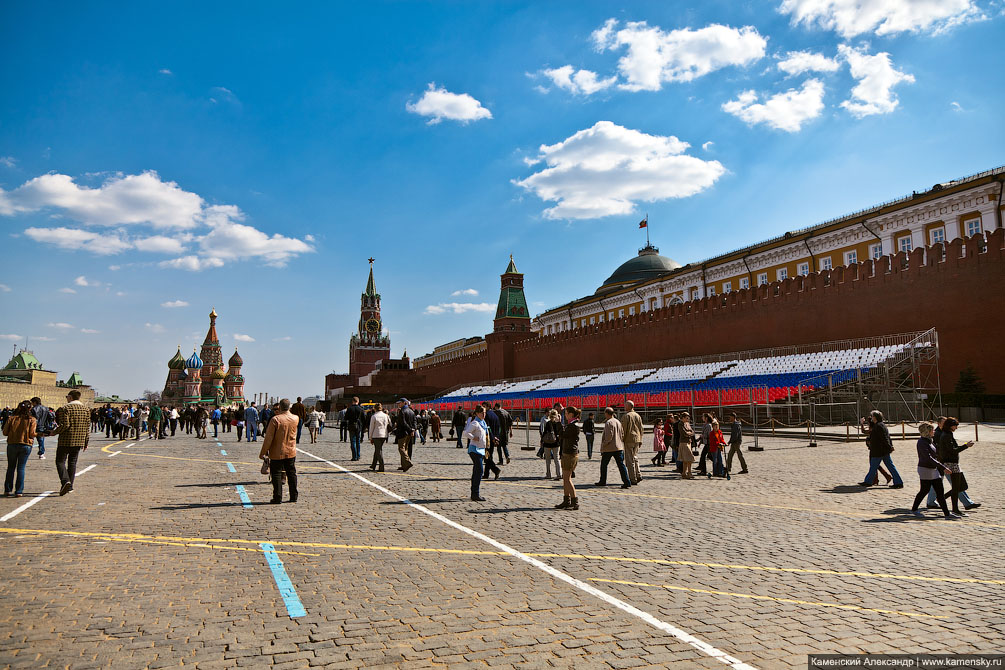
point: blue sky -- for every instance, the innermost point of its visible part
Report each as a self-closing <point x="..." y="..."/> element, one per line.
<point x="156" y="162"/>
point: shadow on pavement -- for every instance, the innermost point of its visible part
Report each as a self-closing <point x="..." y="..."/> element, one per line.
<point x="853" y="488"/>
<point x="183" y="506"/>
<point x="226" y="484"/>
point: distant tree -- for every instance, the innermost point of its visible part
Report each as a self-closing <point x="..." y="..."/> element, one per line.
<point x="151" y="396"/>
<point x="969" y="382"/>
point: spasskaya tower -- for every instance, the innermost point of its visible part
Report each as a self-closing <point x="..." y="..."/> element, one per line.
<point x="369" y="344"/>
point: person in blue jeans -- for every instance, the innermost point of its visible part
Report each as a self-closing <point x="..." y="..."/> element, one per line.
<point x="20" y="433"/>
<point x="215" y="420"/>
<point x="251" y="423"/>
<point x="477" y="434"/>
<point x="43" y="423"/>
<point x="880" y="448"/>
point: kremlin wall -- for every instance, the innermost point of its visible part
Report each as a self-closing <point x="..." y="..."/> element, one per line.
<point x="933" y="259"/>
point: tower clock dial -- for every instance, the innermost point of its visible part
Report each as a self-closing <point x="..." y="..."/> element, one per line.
<point x="372" y="325"/>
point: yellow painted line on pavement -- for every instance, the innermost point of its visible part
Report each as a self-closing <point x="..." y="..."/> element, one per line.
<point x="752" y="596"/>
<point x="198" y="541"/>
<point x="115" y="537"/>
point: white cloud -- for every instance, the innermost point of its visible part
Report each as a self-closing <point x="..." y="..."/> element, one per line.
<point x="222" y="94"/>
<point x="956" y="106"/>
<point x="42" y="338"/>
<point x="166" y="71"/>
<point x="876" y="78"/>
<point x="309" y="238"/>
<point x="61" y="325"/>
<point x="707" y="145"/>
<point x="8" y="161"/>
<point x="578" y="82"/>
<point x="144" y="200"/>
<point x="120" y="293"/>
<point x="287" y="338"/>
<point x="655" y="57"/>
<point x="191" y="263"/>
<point x="439" y="103"/>
<point x="783" y="111"/>
<point x="67" y="290"/>
<point x="159" y="244"/>
<point x="114" y="268"/>
<point x="89" y="331"/>
<point x="883" y="17"/>
<point x="604" y="170"/>
<point x="4" y="288"/>
<point x="80" y="281"/>
<point x="75" y="239"/>
<point x="798" y="62"/>
<point x="11" y="337"/>
<point x="130" y="199"/>
<point x="460" y="307"/>
<point x="243" y="338"/>
<point x="174" y="303"/>
<point x="465" y="291"/>
<point x="154" y="327"/>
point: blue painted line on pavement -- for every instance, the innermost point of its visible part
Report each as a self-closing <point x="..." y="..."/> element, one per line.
<point x="245" y="500"/>
<point x="223" y="451"/>
<point x="286" y="590"/>
<point x="230" y="466"/>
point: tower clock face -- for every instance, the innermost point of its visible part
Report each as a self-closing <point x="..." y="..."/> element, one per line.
<point x="372" y="325"/>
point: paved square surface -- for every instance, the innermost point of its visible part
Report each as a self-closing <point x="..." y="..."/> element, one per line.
<point x="154" y="561"/>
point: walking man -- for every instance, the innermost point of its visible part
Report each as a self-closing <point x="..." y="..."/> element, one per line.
<point x="355" y="417"/>
<point x="404" y="427"/>
<point x="880" y="448"/>
<point x="457" y="423"/>
<point x="506" y="421"/>
<point x="300" y="411"/>
<point x="154" y="422"/>
<point x="73" y="423"/>
<point x="631" y="422"/>
<point x="280" y="446"/>
<point x="735" y="440"/>
<point x="42" y="423"/>
<point x="251" y="423"/>
<point x="343" y="429"/>
<point x="612" y="445"/>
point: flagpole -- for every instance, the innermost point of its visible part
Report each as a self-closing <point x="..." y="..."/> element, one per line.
<point x="647" y="229"/>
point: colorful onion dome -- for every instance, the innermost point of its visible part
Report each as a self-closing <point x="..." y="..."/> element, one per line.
<point x="235" y="361"/>
<point x="177" y="361"/>
<point x="194" y="362"/>
<point x="219" y="374"/>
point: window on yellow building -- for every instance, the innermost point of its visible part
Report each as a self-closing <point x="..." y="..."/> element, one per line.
<point x="825" y="263"/>
<point x="744" y="282"/>
<point x="937" y="235"/>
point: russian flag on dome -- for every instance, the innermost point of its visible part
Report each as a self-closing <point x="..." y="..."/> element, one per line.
<point x="644" y="223"/>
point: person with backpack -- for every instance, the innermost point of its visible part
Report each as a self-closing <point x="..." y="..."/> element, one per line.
<point x="45" y="420"/>
<point x="214" y="418"/>
<point x="550" y="438"/>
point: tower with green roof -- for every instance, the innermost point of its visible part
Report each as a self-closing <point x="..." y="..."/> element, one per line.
<point x="512" y="314"/>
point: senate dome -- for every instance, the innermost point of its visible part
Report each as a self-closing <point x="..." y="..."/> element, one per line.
<point x="647" y="265"/>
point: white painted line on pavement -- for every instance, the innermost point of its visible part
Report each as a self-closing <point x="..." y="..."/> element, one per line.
<point x="681" y="635"/>
<point x="15" y="512"/>
<point x="129" y="445"/>
<point x="114" y="453"/>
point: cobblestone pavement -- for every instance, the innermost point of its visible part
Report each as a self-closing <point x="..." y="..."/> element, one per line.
<point x="153" y="561"/>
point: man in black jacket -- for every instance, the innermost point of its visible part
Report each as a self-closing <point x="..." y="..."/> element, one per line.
<point x="404" y="429"/>
<point x="458" y="421"/>
<point x="880" y="448"/>
<point x="355" y="416"/>
<point x="506" y="423"/>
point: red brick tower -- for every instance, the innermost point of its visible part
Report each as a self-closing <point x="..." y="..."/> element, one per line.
<point x="212" y="359"/>
<point x="512" y="323"/>
<point x="369" y="344"/>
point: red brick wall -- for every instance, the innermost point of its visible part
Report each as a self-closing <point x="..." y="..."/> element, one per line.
<point x="962" y="297"/>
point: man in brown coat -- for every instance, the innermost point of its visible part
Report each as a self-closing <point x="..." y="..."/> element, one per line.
<point x="73" y="425"/>
<point x="299" y="410"/>
<point x="280" y="446"/>
<point x="612" y="445"/>
<point x="631" y="422"/>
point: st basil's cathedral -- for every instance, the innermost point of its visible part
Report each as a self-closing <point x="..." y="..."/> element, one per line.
<point x="201" y="378"/>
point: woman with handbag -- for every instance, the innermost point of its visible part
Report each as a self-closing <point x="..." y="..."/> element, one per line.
<point x="20" y="432"/>
<point x="930" y="471"/>
<point x="949" y="453"/>
<point x="550" y="442"/>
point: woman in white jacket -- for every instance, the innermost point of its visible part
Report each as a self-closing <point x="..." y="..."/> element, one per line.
<point x="380" y="423"/>
<point x="477" y="434"/>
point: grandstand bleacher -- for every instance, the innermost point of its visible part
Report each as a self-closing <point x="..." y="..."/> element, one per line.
<point x="729" y="380"/>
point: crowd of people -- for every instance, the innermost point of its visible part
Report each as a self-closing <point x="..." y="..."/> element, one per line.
<point x="485" y="432"/>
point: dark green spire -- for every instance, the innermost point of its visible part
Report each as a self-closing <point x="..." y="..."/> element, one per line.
<point x="511" y="268"/>
<point x="371" y="289"/>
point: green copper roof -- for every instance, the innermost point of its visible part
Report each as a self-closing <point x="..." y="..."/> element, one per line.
<point x="24" y="360"/>
<point x="511" y="268"/>
<point x="512" y="303"/>
<point x="75" y="380"/>
<point x="371" y="288"/>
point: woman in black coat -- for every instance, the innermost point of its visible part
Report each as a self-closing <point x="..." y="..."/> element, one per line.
<point x="949" y="453"/>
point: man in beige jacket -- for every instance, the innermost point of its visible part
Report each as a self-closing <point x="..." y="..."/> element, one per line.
<point x="631" y="422"/>
<point x="612" y="445"/>
<point x="280" y="446"/>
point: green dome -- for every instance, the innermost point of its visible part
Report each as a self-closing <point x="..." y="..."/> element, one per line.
<point x="647" y="265"/>
<point x="177" y="361"/>
<point x="219" y="374"/>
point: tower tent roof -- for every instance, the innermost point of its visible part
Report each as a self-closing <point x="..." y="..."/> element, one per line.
<point x="511" y="268"/>
<point x="211" y="336"/>
<point x="371" y="288"/>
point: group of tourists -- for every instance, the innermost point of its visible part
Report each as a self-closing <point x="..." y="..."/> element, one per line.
<point x="938" y="457"/>
<point x="31" y="421"/>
